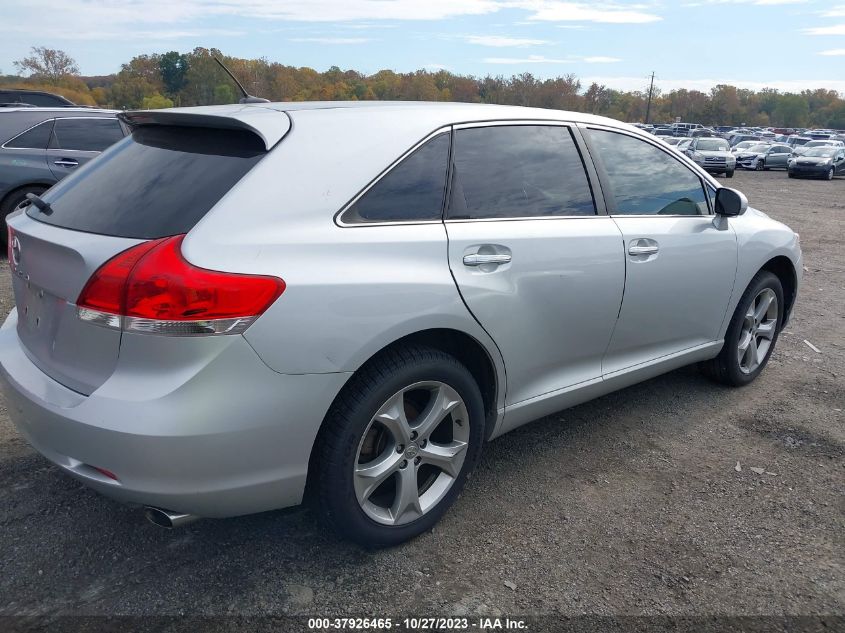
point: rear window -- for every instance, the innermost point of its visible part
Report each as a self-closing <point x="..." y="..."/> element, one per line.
<point x="157" y="182"/>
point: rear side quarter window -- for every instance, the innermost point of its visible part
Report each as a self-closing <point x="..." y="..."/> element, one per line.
<point x="412" y="191"/>
<point x="34" y="138"/>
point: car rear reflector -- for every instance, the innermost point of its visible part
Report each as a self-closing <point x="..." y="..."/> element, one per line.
<point x="151" y="288"/>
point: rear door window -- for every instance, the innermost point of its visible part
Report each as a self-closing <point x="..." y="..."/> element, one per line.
<point x="85" y="135"/>
<point x="157" y="182"/>
<point x="518" y="171"/>
<point x="36" y="138"/>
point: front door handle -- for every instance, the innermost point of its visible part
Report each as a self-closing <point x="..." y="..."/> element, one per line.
<point x="477" y="259"/>
<point x="66" y="162"/>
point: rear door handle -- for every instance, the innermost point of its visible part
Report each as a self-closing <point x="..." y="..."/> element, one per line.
<point x="643" y="247"/>
<point x="643" y="250"/>
<point x="477" y="259"/>
<point x="66" y="162"/>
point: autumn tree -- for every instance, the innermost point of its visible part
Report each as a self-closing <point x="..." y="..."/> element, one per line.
<point x="47" y="64"/>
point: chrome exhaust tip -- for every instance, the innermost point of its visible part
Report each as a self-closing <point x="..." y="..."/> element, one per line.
<point x="168" y="519"/>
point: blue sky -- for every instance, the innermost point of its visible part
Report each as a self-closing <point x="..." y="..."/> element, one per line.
<point x="785" y="44"/>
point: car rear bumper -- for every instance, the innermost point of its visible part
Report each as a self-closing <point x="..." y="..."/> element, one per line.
<point x="223" y="438"/>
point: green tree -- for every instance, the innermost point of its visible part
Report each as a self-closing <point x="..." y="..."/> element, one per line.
<point x="173" y="68"/>
<point x="155" y="102"/>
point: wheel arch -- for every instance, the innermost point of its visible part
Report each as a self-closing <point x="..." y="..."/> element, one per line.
<point x="18" y="188"/>
<point x="467" y="349"/>
<point x="782" y="267"/>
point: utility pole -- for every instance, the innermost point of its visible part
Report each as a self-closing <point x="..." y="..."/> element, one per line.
<point x="650" y="91"/>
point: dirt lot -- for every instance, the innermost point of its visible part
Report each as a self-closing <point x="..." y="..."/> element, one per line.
<point x="630" y="504"/>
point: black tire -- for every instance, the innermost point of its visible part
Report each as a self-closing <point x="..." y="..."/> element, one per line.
<point x="761" y="165"/>
<point x="790" y="174"/>
<point x="348" y="420"/>
<point x="830" y="174"/>
<point x="729" y="174"/>
<point x="725" y="368"/>
<point x="11" y="202"/>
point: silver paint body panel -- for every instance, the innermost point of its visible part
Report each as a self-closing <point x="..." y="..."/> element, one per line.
<point x="221" y="426"/>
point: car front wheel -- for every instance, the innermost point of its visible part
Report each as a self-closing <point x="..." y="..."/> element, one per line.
<point x="752" y="333"/>
<point x="829" y="175"/>
<point x="397" y="446"/>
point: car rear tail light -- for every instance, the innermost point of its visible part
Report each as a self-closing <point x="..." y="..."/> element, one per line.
<point x="151" y="288"/>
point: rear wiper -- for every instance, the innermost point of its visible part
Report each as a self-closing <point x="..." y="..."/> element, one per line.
<point x="44" y="207"/>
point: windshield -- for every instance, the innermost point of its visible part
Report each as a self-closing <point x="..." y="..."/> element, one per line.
<point x="818" y="144"/>
<point x="827" y="152"/>
<point x="712" y="145"/>
<point x="758" y="148"/>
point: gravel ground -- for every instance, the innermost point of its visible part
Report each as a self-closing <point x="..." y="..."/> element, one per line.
<point x="630" y="504"/>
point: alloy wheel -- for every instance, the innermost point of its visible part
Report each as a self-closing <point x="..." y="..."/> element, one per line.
<point x="411" y="453"/>
<point x="758" y="331"/>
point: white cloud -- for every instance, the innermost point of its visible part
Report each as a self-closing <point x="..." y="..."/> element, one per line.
<point x="593" y="12"/>
<point x="531" y="59"/>
<point x="332" y="40"/>
<point x="541" y="59"/>
<point x="834" y="13"/>
<point x="498" y="41"/>
<point x="836" y="29"/>
<point x="835" y="52"/>
<point x="601" y="60"/>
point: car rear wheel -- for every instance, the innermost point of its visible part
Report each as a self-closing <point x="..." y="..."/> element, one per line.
<point x="397" y="446"/>
<point x="752" y="333"/>
<point x="11" y="202"/>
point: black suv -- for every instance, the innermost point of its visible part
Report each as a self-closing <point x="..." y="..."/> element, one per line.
<point x="14" y="96"/>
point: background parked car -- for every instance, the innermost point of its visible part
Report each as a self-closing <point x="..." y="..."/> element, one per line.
<point x="40" y="146"/>
<point x="818" y="143"/>
<point x="821" y="162"/>
<point x="34" y="97"/>
<point x="712" y="154"/>
<point x="765" y="156"/>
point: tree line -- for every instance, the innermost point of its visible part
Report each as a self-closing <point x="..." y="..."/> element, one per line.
<point x="194" y="78"/>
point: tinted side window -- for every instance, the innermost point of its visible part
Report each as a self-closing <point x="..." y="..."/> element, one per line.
<point x="412" y="191"/>
<point x="646" y="180"/>
<point x="36" y="138"/>
<point x="518" y="171"/>
<point x="91" y="135"/>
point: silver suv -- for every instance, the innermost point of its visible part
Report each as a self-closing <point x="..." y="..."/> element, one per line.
<point x="237" y="307"/>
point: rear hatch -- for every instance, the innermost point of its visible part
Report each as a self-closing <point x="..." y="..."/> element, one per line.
<point x="158" y="182"/>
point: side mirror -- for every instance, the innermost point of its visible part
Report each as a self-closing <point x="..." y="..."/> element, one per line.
<point x="730" y="202"/>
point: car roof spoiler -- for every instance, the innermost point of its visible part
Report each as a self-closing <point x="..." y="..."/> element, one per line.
<point x="267" y="124"/>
